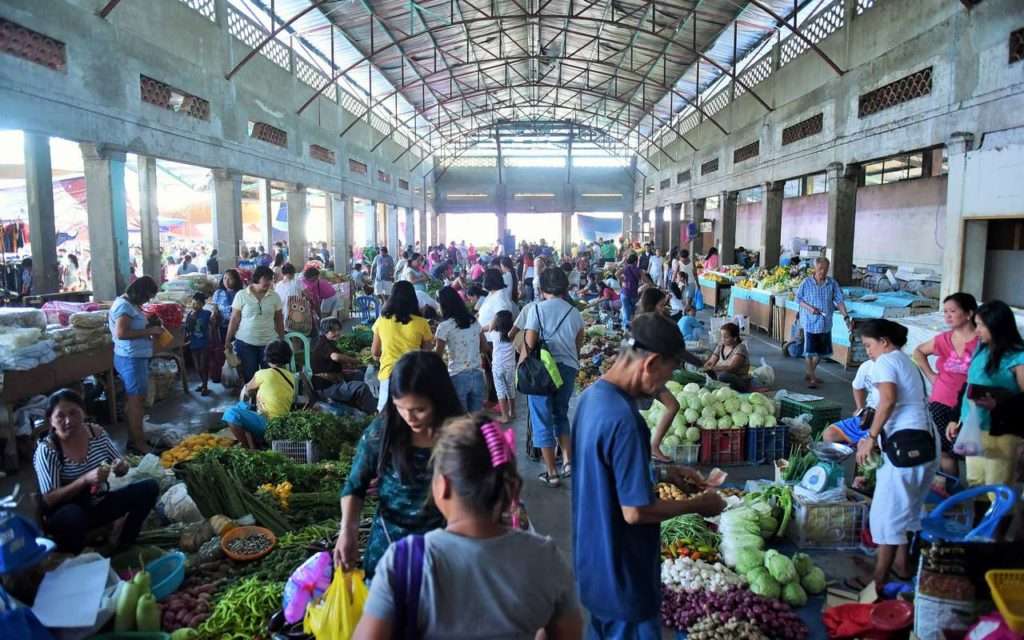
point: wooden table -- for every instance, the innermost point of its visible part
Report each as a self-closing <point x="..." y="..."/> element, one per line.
<point x="713" y="292"/>
<point x="64" y="371"/>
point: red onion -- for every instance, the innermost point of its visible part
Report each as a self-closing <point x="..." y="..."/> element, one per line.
<point x="680" y="610"/>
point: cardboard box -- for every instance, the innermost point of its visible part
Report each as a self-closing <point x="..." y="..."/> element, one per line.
<point x="839" y="594"/>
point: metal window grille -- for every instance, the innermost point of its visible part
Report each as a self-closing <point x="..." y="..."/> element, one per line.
<point x="403" y="184"/>
<point x="476" y="162"/>
<point x="710" y="166"/>
<point x="903" y="90"/>
<point x="821" y="26"/>
<point x="164" y="95"/>
<point x="383" y="177"/>
<point x="683" y="176"/>
<point x="1016" y="46"/>
<point x="864" y="5"/>
<point x="755" y="74"/>
<point x="314" y="78"/>
<point x="717" y="102"/>
<point x="268" y="133"/>
<point x="355" y="166"/>
<point x="249" y="32"/>
<point x="665" y="184"/>
<point x="32" y="46"/>
<point x="689" y="122"/>
<point x="803" y="129"/>
<point x="205" y="8"/>
<point x="747" y="151"/>
<point x="323" y="154"/>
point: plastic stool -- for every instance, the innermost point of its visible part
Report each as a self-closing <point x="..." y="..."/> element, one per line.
<point x="367" y="308"/>
<point x="936" y="527"/>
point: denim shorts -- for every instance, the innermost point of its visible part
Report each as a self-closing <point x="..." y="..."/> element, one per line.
<point x="242" y="416"/>
<point x="134" y="373"/>
<point x="470" y="387"/>
<point x="817" y="344"/>
<point x="851" y="429"/>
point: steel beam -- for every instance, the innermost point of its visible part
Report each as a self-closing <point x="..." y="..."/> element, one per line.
<point x="107" y="8"/>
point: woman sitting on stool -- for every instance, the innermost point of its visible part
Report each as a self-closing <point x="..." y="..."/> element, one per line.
<point x="275" y="393"/>
<point x="730" y="361"/>
<point x="72" y="465"/>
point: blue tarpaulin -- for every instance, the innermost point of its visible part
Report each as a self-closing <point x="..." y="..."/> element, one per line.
<point x="591" y="227"/>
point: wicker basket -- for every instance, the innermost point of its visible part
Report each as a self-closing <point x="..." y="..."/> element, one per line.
<point x="301" y="451"/>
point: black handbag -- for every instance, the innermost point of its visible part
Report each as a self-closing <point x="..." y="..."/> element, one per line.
<point x="867" y="418"/>
<point x="911" y="447"/>
<point x="532" y="376"/>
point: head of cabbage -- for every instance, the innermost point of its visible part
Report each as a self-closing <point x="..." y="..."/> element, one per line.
<point x="765" y="586"/>
<point x="814" y="582"/>
<point x="692" y="387"/>
<point x="794" y="595"/>
<point x="780" y="567"/>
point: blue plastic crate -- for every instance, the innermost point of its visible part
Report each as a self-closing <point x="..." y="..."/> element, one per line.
<point x="765" y="444"/>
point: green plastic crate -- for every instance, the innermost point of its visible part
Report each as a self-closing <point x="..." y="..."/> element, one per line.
<point x="823" y="412"/>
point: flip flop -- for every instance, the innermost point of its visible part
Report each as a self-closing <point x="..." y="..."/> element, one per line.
<point x="567" y="471"/>
<point x="549" y="481"/>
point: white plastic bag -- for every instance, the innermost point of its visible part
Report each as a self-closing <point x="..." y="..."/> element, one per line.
<point x="177" y="506"/>
<point x="108" y="601"/>
<point x="968" y="441"/>
<point x="149" y="468"/>
<point x="229" y="376"/>
<point x="764" y="375"/>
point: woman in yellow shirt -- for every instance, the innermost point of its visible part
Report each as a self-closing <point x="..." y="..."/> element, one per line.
<point x="399" y="330"/>
<point x="275" y="392"/>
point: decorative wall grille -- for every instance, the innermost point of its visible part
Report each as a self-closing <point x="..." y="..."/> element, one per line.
<point x="802" y="129"/>
<point x="689" y="122"/>
<point x="403" y="184"/>
<point x="903" y="90"/>
<point x="476" y="161"/>
<point x="683" y="176"/>
<point x="314" y="78"/>
<point x="249" y="32"/>
<point x="32" y="46"/>
<point x="164" y="95"/>
<point x="268" y="133"/>
<point x="355" y="166"/>
<point x="710" y="166"/>
<point x="864" y="5"/>
<point x="383" y="177"/>
<point x="755" y="74"/>
<point x="821" y="26"/>
<point x="204" y="7"/>
<point x="747" y="151"/>
<point x="665" y="184"/>
<point x="323" y="154"/>
<point x="717" y="102"/>
<point x="1016" y="46"/>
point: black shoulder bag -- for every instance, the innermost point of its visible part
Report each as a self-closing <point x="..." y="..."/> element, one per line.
<point x="911" y="447"/>
<point x="532" y="376"/>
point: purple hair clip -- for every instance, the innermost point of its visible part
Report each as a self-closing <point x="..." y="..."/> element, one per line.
<point x="500" y="443"/>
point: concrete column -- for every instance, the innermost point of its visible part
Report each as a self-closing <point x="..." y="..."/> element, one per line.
<point x="298" y="211"/>
<point x="435" y="238"/>
<point x="226" y="209"/>
<point x="391" y="224"/>
<point x="267" y="207"/>
<point x="771" y="223"/>
<point x="842" y="217"/>
<point x="697" y="217"/>
<point x="727" y="207"/>
<point x="410" y="227"/>
<point x="502" y="224"/>
<point x="108" y="220"/>
<point x="424" y="230"/>
<point x="975" y="251"/>
<point x="674" y="228"/>
<point x="661" y="233"/>
<point x="371" y="225"/>
<point x="956" y="262"/>
<point x="340" y="216"/>
<point x="442" y="228"/>
<point x="42" y="232"/>
<point x="149" y="212"/>
<point x="566" y="234"/>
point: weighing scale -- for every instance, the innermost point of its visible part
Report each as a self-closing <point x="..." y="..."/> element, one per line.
<point x="828" y="473"/>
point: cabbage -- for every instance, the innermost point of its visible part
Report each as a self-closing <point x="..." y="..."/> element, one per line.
<point x="768" y="525"/>
<point x="673" y="387"/>
<point x="769" y="421"/>
<point x="757" y="573"/>
<point x="692" y="435"/>
<point x="814" y="581"/>
<point x="670" y="442"/>
<point x="732" y="405"/>
<point x="707" y="423"/>
<point x="725" y="422"/>
<point x="749" y="559"/>
<point x="794" y="595"/>
<point x="707" y="413"/>
<point x="679" y="432"/>
<point x="755" y="421"/>
<point x="691" y="415"/>
<point x="678" y="422"/>
<point x="757" y="398"/>
<point x="692" y="387"/>
<point x="740" y="419"/>
<point x="780" y="567"/>
<point x="722" y="394"/>
<point x="803" y="563"/>
<point x="694" y="402"/>
<point x="746" y="407"/>
<point x="766" y="587"/>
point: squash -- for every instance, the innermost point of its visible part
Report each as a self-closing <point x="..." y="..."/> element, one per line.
<point x="147" y="614"/>
<point x="127" y="602"/>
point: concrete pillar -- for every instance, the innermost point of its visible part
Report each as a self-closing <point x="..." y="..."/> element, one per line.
<point x="674" y="229"/>
<point x="842" y="217"/>
<point x="727" y="209"/>
<point x="957" y="265"/>
<point x="267" y="207"/>
<point x="340" y="216"/>
<point x="697" y="217"/>
<point x="771" y="223"/>
<point x="502" y="224"/>
<point x="435" y="238"/>
<point x="410" y="227"/>
<point x="662" y="236"/>
<point x="975" y="251"/>
<point x="108" y="220"/>
<point x="566" y="234"/>
<point x="371" y="225"/>
<point x="391" y="224"/>
<point x="149" y="212"/>
<point x="298" y="210"/>
<point x="424" y="230"/>
<point x="42" y="232"/>
<point x="226" y="209"/>
<point x="442" y="228"/>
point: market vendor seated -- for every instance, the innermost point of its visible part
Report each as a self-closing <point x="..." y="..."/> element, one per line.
<point x="275" y="392"/>
<point x="72" y="464"/>
<point x="329" y="364"/>
<point x="730" y="361"/>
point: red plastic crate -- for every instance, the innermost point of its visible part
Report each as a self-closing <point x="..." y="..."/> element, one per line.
<point x="722" y="446"/>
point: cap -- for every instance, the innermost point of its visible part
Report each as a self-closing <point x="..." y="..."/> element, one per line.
<point x="656" y="333"/>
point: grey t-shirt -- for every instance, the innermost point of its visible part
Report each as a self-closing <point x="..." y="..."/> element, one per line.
<point x="505" y="587"/>
<point x="562" y="343"/>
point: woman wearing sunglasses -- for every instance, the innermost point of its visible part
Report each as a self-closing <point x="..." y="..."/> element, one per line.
<point x="257" y="320"/>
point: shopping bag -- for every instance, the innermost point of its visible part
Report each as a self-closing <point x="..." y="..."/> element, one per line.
<point x="968" y="441"/>
<point x="698" y="300"/>
<point x="336" y="614"/>
<point x="163" y="341"/>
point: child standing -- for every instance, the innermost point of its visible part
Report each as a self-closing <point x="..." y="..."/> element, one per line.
<point x="197" y="334"/>
<point x="480" y="578"/>
<point x="503" y="364"/>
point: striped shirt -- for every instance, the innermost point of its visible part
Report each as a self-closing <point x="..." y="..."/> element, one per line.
<point x="824" y="297"/>
<point x="54" y="471"/>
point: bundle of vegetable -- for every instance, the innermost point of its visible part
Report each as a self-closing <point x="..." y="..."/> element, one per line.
<point x="281" y="492"/>
<point x="242" y="611"/>
<point x="190" y="447"/>
<point x="696" y="575"/>
<point x="681" y="609"/>
<point x="774" y="505"/>
<point x="328" y="431"/>
<point x="718" y="627"/>
<point x="708" y="409"/>
<point x="740" y="529"/>
<point x="216" y="490"/>
<point x="689" y="536"/>
<point x="800" y="460"/>
<point x="255" y="468"/>
<point x="777" y="576"/>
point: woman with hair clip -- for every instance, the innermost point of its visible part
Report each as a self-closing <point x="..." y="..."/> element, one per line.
<point x="511" y="280"/>
<point x="472" y="566"/>
<point x="395" y="452"/>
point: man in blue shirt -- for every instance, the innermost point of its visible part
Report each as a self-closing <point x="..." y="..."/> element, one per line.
<point x="616" y="513"/>
<point x="819" y="296"/>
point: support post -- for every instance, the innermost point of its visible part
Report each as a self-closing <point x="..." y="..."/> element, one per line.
<point x="149" y="212"/>
<point x="298" y="211"/>
<point x="674" y="228"/>
<point x="410" y="227"/>
<point x="226" y="207"/>
<point x="108" y="220"/>
<point x="435" y="238"/>
<point x="697" y="217"/>
<point x="267" y="206"/>
<point x="442" y="228"/>
<point x="660" y="229"/>
<point x="727" y="209"/>
<point x="340" y="215"/>
<point x="771" y="223"/>
<point x="502" y="225"/>
<point x="842" y="217"/>
<point x="371" y="225"/>
<point x="391" y="224"/>
<point x="43" y="232"/>
<point x="424" y="237"/>
<point x="955" y="261"/>
<point x="566" y="234"/>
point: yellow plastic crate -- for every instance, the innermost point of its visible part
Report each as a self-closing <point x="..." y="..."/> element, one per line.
<point x="1008" y="593"/>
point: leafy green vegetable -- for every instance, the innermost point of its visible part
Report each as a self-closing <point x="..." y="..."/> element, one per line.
<point x="814" y="581"/>
<point x="794" y="595"/>
<point x="780" y="567"/>
<point x="749" y="559"/>
<point x="764" y="585"/>
<point x="328" y="431"/>
<point x="803" y="563"/>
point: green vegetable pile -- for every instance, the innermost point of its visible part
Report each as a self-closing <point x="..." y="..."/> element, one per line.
<point x="327" y="431"/>
<point x="772" y="575"/>
<point x="254" y="468"/>
<point x="690" y="528"/>
<point x="242" y="611"/>
<point x="355" y="340"/>
<point x="800" y="460"/>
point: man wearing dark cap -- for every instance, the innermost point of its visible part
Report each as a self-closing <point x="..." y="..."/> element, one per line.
<point x="616" y="512"/>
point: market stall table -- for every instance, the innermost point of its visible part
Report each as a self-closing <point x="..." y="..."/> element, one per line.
<point x="755" y="304"/>
<point x="714" y="290"/>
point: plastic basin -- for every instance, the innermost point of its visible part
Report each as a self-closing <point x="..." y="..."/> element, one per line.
<point x="166" y="574"/>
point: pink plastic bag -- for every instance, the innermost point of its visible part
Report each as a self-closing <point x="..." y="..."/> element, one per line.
<point x="306" y="584"/>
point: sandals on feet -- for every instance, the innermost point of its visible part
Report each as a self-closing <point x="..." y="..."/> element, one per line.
<point x="548" y="480"/>
<point x="567" y="471"/>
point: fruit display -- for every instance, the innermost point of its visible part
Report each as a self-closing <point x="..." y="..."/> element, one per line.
<point x="714" y="276"/>
<point x="190" y="446"/>
<point x="779" y="280"/>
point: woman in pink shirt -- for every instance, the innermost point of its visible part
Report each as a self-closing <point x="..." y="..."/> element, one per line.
<point x="711" y="260"/>
<point x="953" y="349"/>
<point x="318" y="291"/>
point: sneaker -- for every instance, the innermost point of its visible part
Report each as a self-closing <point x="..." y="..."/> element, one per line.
<point x="548" y="480"/>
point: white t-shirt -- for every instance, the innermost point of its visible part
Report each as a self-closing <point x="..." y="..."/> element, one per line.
<point x="287" y="288"/>
<point x="676" y="304"/>
<point x="503" y="356"/>
<point x="863" y="382"/>
<point x="492" y="304"/>
<point x="909" y="412"/>
<point x="257" y="325"/>
<point x="424" y="299"/>
<point x="462" y="345"/>
<point x="654" y="266"/>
